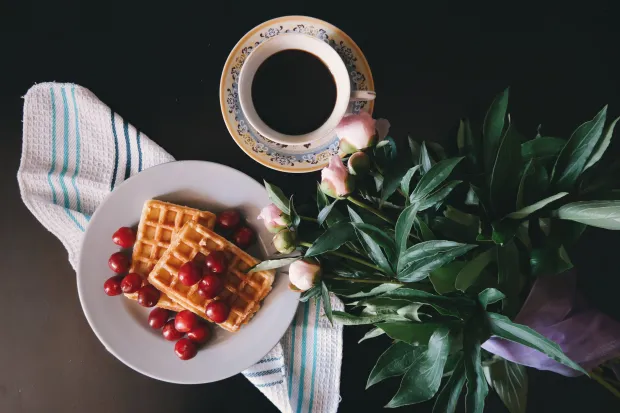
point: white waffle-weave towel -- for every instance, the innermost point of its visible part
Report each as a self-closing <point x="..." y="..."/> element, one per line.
<point x="75" y="151"/>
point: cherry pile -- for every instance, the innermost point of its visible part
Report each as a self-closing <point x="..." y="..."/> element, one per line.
<point x="184" y="327"/>
<point x="119" y="263"/>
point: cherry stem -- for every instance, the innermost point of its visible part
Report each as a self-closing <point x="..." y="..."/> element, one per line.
<point x="347" y="256"/>
<point x="370" y="209"/>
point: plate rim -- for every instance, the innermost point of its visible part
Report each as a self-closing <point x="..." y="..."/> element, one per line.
<point x="235" y="51"/>
<point x="87" y="314"/>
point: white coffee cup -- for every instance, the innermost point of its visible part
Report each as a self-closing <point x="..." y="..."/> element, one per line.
<point x="332" y="61"/>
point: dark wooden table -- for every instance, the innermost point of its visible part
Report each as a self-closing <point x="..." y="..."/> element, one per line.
<point x="160" y="68"/>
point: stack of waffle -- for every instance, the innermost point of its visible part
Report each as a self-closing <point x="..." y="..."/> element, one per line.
<point x="169" y="236"/>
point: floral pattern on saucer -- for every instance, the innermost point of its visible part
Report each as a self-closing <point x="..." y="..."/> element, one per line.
<point x="289" y="158"/>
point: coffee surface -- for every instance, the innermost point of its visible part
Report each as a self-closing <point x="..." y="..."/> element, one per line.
<point x="293" y="92"/>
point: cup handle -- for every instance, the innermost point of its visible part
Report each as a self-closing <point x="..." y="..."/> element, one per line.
<point x="362" y="95"/>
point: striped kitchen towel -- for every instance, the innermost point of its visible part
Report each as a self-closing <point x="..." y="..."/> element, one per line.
<point x="75" y="151"/>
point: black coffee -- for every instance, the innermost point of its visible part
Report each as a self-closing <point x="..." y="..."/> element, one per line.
<point x="293" y="92"/>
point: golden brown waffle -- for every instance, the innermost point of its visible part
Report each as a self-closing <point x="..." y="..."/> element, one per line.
<point x="159" y="223"/>
<point x="242" y="292"/>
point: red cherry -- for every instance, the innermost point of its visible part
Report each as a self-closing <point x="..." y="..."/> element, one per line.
<point x="185" y="349"/>
<point x="217" y="311"/>
<point x="210" y="286"/>
<point x="112" y="286"/>
<point x="170" y="333"/>
<point x="199" y="334"/>
<point x="243" y="237"/>
<point x="118" y="262"/>
<point x="229" y="219"/>
<point x="185" y="321"/>
<point x="190" y="273"/>
<point x="158" y="318"/>
<point x="216" y="262"/>
<point x="131" y="283"/>
<point x="124" y="237"/>
<point x="148" y="296"/>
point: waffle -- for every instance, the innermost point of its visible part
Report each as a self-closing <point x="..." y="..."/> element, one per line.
<point x="242" y="292"/>
<point x="159" y="223"/>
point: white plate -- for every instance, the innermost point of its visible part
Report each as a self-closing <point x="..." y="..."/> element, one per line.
<point x="121" y="324"/>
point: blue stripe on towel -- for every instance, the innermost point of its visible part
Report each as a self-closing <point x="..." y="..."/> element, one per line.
<point x="300" y="396"/>
<point x="127" y="149"/>
<point x="292" y="363"/>
<point x="270" y="384"/>
<point x="139" y="151"/>
<point x="316" y="331"/>
<point x="65" y="162"/>
<point x="269" y="359"/>
<point x="53" y="166"/>
<point x="78" y="151"/>
<point x="264" y="372"/>
<point x="115" y="170"/>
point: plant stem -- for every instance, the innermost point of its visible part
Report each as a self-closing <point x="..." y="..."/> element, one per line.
<point x="347" y="256"/>
<point x="309" y="219"/>
<point x="604" y="383"/>
<point x="362" y="280"/>
<point x="371" y="209"/>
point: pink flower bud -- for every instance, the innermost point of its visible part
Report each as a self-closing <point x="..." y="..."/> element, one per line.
<point x="275" y="220"/>
<point x="284" y="241"/>
<point x="303" y="274"/>
<point x="356" y="132"/>
<point x="336" y="180"/>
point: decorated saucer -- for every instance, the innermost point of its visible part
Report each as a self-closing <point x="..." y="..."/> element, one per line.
<point x="289" y="158"/>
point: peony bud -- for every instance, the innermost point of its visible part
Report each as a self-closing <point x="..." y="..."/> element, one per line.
<point x="275" y="220"/>
<point x="303" y="274"/>
<point x="335" y="179"/>
<point x="356" y="132"/>
<point x="359" y="164"/>
<point x="284" y="241"/>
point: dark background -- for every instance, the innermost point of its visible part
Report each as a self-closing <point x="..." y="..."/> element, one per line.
<point x="159" y="65"/>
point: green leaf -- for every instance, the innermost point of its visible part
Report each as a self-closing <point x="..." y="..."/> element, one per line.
<point x="393" y="362"/>
<point x="528" y="171"/>
<point x="375" y="242"/>
<point x="417" y="334"/>
<point x="406" y="181"/>
<point x="393" y="177"/>
<point x="295" y="219"/>
<point x="461" y="217"/>
<point x="602" y="144"/>
<point x="470" y="273"/>
<point x="449" y="396"/>
<point x="419" y="260"/>
<point x="443" y="278"/>
<point x="509" y="277"/>
<point x="490" y="296"/>
<point x="271" y="264"/>
<point x="414" y="147"/>
<point x="425" y="160"/>
<point x="311" y="293"/>
<point x="353" y="320"/>
<point x="382" y="288"/>
<point x="384" y="305"/>
<point x="542" y="148"/>
<point x="575" y="155"/>
<point x="327" y="304"/>
<point x="536" y="185"/>
<point x="477" y="388"/>
<point x="433" y="178"/>
<point x="444" y="305"/>
<point x="324" y="213"/>
<point x="493" y="128"/>
<point x="600" y="214"/>
<point x="509" y="380"/>
<point x="385" y="151"/>
<point x="422" y="379"/>
<point x="332" y="239"/>
<point x="423" y="230"/>
<point x="403" y="227"/>
<point x="504" y="230"/>
<point x="524" y="212"/>
<point x="438" y="196"/>
<point x="438" y="150"/>
<point x="502" y="327"/>
<point x="276" y="196"/>
<point x="505" y="173"/>
<point x="375" y="332"/>
<point x="548" y="260"/>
